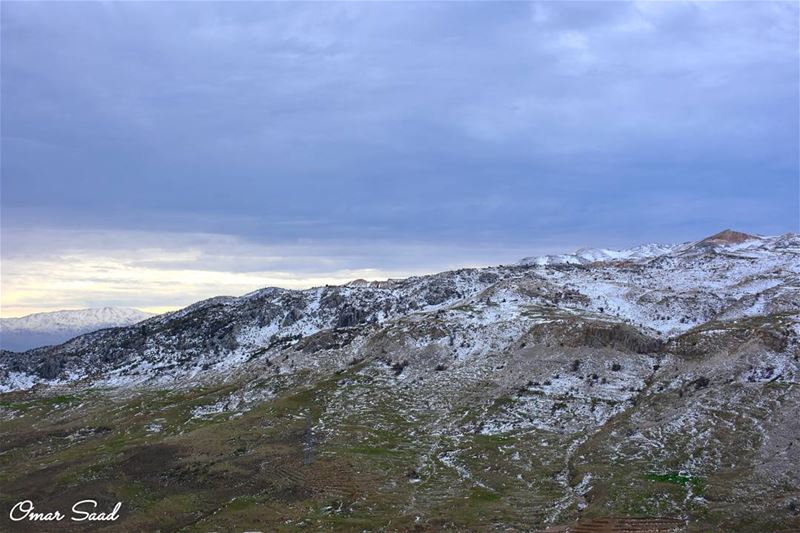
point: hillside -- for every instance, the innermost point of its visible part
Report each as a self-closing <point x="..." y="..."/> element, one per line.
<point x="656" y="383"/>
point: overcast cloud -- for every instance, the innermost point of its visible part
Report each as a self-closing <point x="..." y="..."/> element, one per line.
<point x="157" y="153"/>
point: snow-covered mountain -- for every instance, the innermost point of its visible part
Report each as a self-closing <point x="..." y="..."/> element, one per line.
<point x="659" y="382"/>
<point x="593" y="255"/>
<point x="727" y="239"/>
<point x="42" y="329"/>
<point x="661" y="290"/>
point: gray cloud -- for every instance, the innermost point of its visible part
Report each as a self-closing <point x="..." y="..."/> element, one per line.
<point x="469" y="125"/>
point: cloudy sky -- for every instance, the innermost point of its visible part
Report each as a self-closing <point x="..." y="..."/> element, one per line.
<point x="154" y="154"/>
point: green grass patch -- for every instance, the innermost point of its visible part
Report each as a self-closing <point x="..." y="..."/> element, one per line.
<point x="242" y="502"/>
<point x="480" y="494"/>
<point x="698" y="484"/>
<point x="44" y="402"/>
<point x="492" y="441"/>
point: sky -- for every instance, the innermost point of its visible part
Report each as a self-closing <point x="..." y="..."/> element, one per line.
<point x="154" y="154"/>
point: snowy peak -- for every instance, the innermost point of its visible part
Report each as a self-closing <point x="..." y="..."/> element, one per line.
<point x="39" y="329"/>
<point x="726" y="239"/>
<point x="75" y="319"/>
<point x="645" y="251"/>
<point x="585" y="256"/>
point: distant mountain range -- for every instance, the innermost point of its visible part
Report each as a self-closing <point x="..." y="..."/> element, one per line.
<point x="44" y="329"/>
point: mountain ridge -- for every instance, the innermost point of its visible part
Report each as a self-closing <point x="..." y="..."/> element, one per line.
<point x="307" y="312"/>
<point x="659" y="392"/>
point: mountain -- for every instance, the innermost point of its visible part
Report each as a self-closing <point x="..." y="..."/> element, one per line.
<point x="651" y="389"/>
<point x="726" y="238"/>
<point x="593" y="255"/>
<point x="41" y="329"/>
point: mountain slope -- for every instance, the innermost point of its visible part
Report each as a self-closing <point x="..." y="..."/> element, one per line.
<point x="651" y="385"/>
<point x="40" y="329"/>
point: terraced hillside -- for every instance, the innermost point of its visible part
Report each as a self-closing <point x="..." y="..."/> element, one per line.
<point x="646" y="390"/>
